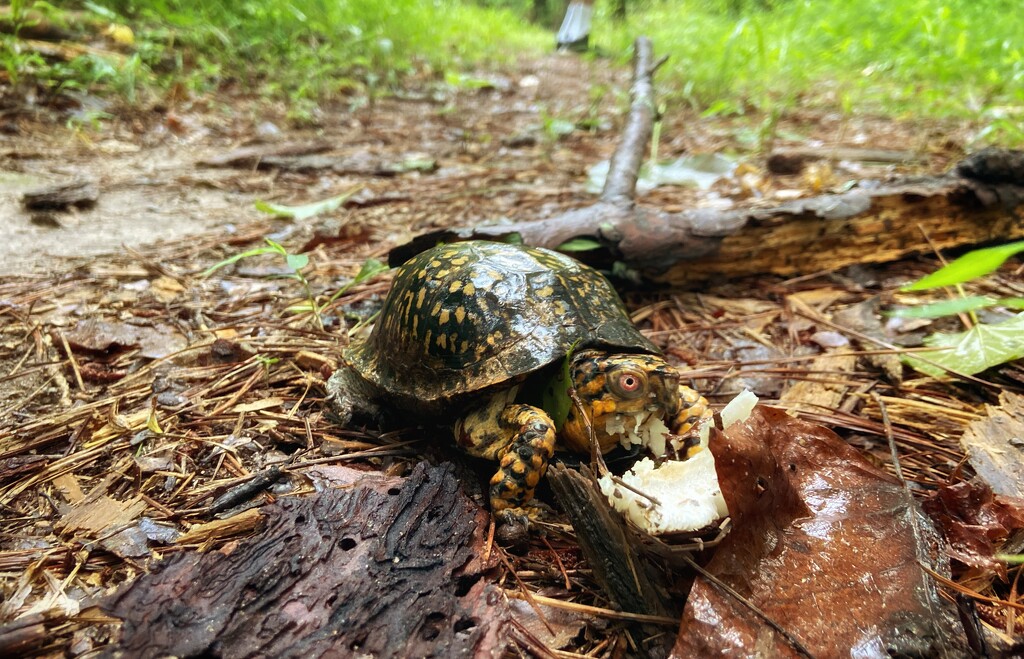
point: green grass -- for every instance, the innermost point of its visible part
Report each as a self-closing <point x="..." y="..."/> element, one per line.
<point x="935" y="58"/>
<point x="902" y="58"/>
<point x="300" y="50"/>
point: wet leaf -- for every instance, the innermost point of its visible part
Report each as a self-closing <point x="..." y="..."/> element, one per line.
<point x="971" y="265"/>
<point x="579" y="245"/>
<point x="981" y="347"/>
<point x="975" y="522"/>
<point x="825" y="545"/>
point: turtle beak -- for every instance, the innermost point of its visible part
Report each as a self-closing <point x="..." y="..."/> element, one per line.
<point x="664" y="390"/>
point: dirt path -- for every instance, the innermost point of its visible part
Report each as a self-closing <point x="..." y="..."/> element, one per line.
<point x="498" y="150"/>
<point x="152" y="187"/>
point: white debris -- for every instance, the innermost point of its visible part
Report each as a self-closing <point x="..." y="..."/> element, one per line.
<point x="687" y="492"/>
<point x="647" y="430"/>
<point x="737" y="409"/>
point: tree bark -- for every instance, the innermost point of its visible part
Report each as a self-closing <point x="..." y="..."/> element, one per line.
<point x="624" y="575"/>
<point x="384" y="567"/>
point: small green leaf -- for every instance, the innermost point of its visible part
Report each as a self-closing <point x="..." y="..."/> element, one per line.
<point x="970" y="352"/>
<point x="276" y="247"/>
<point x="1014" y="559"/>
<point x="300" y="307"/>
<point x="944" y="308"/>
<point x="557" y="127"/>
<point x="370" y="269"/>
<point x="1012" y="302"/>
<point x="237" y="257"/>
<point x="579" y="245"/>
<point x="297" y="261"/>
<point x="970" y="266"/>
<point x="306" y="211"/>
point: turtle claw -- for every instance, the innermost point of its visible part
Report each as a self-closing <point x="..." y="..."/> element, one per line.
<point x="513" y="527"/>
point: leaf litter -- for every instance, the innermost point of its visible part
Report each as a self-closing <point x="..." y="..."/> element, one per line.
<point x="174" y="407"/>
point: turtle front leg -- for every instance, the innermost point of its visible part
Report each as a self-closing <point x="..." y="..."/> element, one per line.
<point x="520" y="437"/>
<point x="694" y="409"/>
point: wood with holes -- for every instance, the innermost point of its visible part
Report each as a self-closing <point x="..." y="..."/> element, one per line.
<point x="384" y="567"/>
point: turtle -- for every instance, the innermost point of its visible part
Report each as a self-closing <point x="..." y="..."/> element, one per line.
<point x="490" y="337"/>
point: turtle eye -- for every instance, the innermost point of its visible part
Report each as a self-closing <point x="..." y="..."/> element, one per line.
<point x="628" y="384"/>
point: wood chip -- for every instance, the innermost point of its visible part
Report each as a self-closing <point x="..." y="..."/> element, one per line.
<point x="995" y="446"/>
<point x="219" y="529"/>
<point x="81" y="193"/>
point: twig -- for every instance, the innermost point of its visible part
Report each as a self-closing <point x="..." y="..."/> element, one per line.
<point x="624" y="169"/>
<point x="599" y="611"/>
<point x="74" y="362"/>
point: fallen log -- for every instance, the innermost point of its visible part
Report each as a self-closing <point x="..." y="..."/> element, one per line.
<point x="368" y="566"/>
<point x="624" y="575"/>
<point x="872" y="222"/>
<point x="792" y="160"/>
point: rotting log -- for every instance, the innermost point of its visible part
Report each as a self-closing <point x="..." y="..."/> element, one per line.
<point x="866" y="225"/>
<point x="873" y="222"/>
<point x="373" y="566"/>
<point x="624" y="575"/>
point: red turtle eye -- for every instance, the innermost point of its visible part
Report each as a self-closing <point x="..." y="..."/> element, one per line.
<point x="628" y="385"/>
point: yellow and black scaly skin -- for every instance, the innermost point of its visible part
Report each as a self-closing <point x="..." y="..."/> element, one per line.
<point x="521" y="438"/>
<point x="611" y="384"/>
<point x="467" y="324"/>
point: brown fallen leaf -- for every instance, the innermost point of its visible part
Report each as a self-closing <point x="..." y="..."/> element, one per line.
<point x="975" y="522"/>
<point x="97" y="513"/>
<point x="558" y="628"/>
<point x="106" y="336"/>
<point x="825" y="545"/>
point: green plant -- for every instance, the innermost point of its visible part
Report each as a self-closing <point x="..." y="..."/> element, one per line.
<point x="982" y="345"/>
<point x="935" y="58"/>
<point x="296" y="263"/>
<point x="306" y="211"/>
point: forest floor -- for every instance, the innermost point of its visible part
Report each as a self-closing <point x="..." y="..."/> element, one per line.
<point x="501" y="144"/>
<point x="130" y="379"/>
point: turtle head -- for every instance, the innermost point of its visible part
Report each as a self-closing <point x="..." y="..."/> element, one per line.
<point x="618" y="393"/>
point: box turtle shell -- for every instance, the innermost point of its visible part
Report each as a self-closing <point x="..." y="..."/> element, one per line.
<point x="467" y="316"/>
